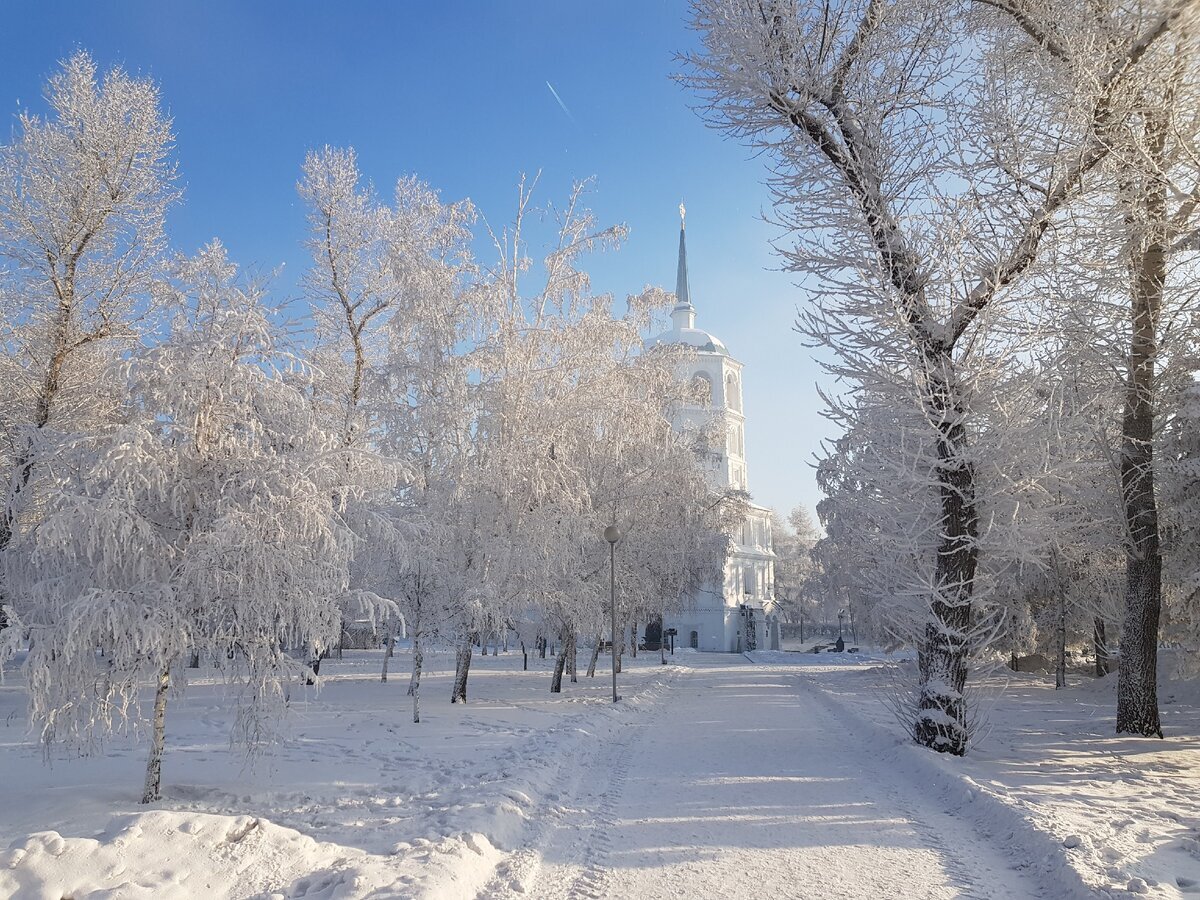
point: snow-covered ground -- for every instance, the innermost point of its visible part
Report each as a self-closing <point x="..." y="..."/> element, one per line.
<point x="779" y="775"/>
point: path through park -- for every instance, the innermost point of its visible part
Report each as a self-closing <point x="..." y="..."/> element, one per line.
<point x="745" y="782"/>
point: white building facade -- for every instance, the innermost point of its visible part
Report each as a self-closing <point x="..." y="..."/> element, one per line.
<point x="735" y="614"/>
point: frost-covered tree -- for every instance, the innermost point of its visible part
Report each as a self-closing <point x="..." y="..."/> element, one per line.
<point x="1135" y="70"/>
<point x="83" y="194"/>
<point x="794" y="541"/>
<point x="208" y="519"/>
<point x="1180" y="467"/>
<point x="913" y="215"/>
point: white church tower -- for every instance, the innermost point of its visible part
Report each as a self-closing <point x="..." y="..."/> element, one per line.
<point x="735" y="615"/>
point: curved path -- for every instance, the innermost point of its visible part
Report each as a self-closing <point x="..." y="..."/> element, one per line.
<point x="741" y="782"/>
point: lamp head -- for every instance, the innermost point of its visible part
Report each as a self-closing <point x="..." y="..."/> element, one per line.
<point x="612" y="534"/>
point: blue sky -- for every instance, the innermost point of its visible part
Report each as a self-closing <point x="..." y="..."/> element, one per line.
<point x="456" y="92"/>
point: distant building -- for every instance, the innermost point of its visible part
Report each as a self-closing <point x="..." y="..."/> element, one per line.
<point x="736" y="614"/>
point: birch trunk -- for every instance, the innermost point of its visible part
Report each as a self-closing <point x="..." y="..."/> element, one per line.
<point x="151" y="793"/>
<point x="414" y="683"/>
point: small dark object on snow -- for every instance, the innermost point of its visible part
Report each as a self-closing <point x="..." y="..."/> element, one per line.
<point x="839" y="646"/>
<point x="852" y="650"/>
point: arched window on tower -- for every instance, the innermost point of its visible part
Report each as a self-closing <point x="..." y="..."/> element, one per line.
<point x="733" y="393"/>
<point x="702" y="389"/>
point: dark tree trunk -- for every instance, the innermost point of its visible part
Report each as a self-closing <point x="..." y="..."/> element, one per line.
<point x="462" y="666"/>
<point x="591" y="672"/>
<point x="1137" y="672"/>
<point x="573" y="657"/>
<point x="560" y="662"/>
<point x="1100" y="642"/>
<point x="942" y="657"/>
<point x="1060" y="667"/>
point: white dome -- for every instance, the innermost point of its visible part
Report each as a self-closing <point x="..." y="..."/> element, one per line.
<point x="692" y="337"/>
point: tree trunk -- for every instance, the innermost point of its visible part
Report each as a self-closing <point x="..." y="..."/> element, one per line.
<point x="314" y="665"/>
<point x="633" y="639"/>
<point x="1060" y="668"/>
<point x="942" y="657"/>
<point x="1100" y="642"/>
<point x="1137" y="672"/>
<point x="524" y="658"/>
<point x="619" y="650"/>
<point x="462" y="666"/>
<point x="573" y="657"/>
<point x="560" y="662"/>
<point x="414" y="683"/>
<point x="152" y="793"/>
<point x="387" y="652"/>
<point x="591" y="672"/>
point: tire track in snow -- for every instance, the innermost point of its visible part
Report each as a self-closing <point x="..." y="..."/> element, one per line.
<point x="564" y="854"/>
<point x="590" y="883"/>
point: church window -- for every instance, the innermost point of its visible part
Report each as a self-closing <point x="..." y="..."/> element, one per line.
<point x="733" y="393"/>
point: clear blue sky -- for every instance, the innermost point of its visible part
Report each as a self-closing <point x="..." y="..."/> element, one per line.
<point x="456" y="93"/>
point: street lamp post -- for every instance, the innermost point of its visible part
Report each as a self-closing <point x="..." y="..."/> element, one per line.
<point x="612" y="534"/>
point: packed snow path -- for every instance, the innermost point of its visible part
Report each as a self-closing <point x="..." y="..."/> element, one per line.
<point x="746" y="783"/>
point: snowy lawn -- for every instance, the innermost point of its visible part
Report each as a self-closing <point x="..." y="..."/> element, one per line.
<point x="718" y="776"/>
<point x="357" y="800"/>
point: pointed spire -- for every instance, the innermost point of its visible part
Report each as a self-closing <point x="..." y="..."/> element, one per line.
<point x="684" y="314"/>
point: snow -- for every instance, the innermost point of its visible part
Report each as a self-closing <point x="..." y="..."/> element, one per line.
<point x="772" y="773"/>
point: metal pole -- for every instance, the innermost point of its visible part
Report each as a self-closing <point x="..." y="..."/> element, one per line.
<point x="612" y="592"/>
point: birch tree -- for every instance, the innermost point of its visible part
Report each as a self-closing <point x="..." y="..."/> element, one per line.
<point x="83" y="196"/>
<point x="206" y="520"/>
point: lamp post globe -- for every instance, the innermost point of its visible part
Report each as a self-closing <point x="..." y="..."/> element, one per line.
<point x="612" y="534"/>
